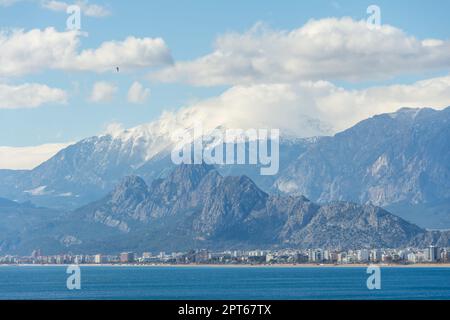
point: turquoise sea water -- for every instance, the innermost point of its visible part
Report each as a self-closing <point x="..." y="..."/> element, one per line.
<point x="21" y="282"/>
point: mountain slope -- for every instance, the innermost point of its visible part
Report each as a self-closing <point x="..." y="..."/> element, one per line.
<point x="84" y="171"/>
<point x="400" y="160"/>
<point x="206" y="208"/>
<point x="89" y="169"/>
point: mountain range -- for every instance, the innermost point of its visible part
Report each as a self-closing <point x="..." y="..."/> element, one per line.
<point x="121" y="191"/>
<point x="196" y="207"/>
<point x="399" y="161"/>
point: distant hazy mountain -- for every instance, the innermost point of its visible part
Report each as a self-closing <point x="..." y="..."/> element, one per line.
<point x="196" y="207"/>
<point x="399" y="161"/>
<point x="19" y="220"/>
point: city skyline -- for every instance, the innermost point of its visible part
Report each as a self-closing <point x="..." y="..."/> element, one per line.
<point x="399" y="256"/>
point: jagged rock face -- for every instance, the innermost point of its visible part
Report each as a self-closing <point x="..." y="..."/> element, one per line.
<point x="125" y="201"/>
<point x="225" y="204"/>
<point x="340" y="224"/>
<point x="215" y="201"/>
<point x="200" y="204"/>
<point x="130" y="192"/>
<point x="196" y="207"/>
<point x="182" y="181"/>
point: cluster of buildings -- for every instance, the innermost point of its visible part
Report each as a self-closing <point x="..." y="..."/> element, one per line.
<point x="432" y="254"/>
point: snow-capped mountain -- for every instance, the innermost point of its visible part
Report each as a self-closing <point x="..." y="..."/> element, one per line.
<point x="89" y="169"/>
<point x="399" y="161"/>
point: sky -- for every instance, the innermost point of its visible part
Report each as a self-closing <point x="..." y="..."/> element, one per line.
<point x="306" y="67"/>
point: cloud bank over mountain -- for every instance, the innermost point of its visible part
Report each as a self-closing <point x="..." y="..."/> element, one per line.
<point x="300" y="110"/>
<point x="306" y="109"/>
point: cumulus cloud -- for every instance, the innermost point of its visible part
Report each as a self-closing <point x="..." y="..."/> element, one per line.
<point x="29" y="95"/>
<point x="130" y="53"/>
<point x="103" y="91"/>
<point x="88" y="9"/>
<point x="137" y="93"/>
<point x="17" y="158"/>
<point x="26" y="52"/>
<point x="30" y="51"/>
<point x="304" y="109"/>
<point x="330" y="49"/>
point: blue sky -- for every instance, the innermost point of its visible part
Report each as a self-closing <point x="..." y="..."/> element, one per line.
<point x="189" y="30"/>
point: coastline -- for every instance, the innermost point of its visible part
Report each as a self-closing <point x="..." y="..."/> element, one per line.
<point x="356" y="265"/>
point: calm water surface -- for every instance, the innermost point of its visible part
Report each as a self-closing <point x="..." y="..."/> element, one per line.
<point x="41" y="282"/>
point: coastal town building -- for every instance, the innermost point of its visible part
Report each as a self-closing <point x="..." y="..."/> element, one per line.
<point x="401" y="256"/>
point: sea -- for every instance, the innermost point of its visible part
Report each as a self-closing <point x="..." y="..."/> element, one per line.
<point x="223" y="283"/>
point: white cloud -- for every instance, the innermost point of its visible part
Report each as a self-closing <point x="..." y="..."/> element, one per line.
<point x="345" y="108"/>
<point x="304" y="109"/>
<point x="91" y="10"/>
<point x="137" y="93"/>
<point x="17" y="158"/>
<point x="24" y="52"/>
<point x="27" y="52"/>
<point x="113" y="129"/>
<point x="130" y="53"/>
<point x="327" y="49"/>
<point x="29" y="95"/>
<point x="103" y="91"/>
<point x="7" y="3"/>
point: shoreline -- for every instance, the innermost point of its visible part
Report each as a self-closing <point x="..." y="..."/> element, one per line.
<point x="158" y="265"/>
